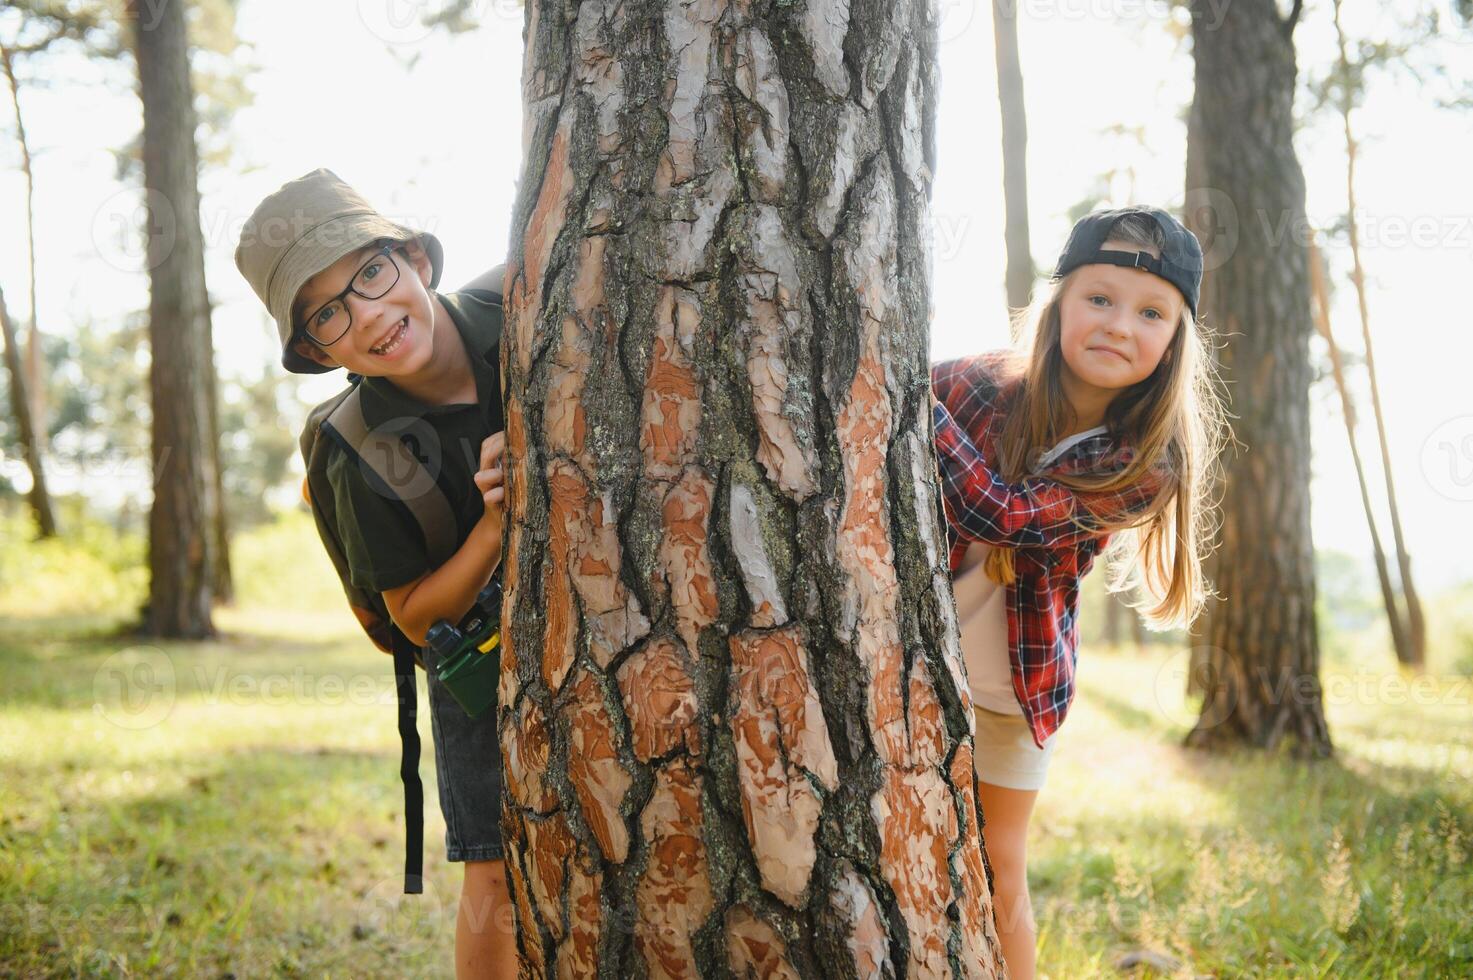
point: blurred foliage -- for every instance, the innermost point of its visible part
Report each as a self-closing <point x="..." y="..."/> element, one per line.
<point x="99" y="385"/>
<point x="37" y="29"/>
<point x="95" y="569"/>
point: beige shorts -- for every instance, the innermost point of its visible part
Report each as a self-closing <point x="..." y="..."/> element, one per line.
<point x="1004" y="753"/>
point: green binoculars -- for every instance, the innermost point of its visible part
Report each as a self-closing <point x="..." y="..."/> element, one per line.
<point x="467" y="657"/>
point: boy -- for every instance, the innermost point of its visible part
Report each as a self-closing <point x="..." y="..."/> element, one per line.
<point x="349" y="288"/>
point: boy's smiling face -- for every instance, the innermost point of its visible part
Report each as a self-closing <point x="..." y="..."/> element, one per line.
<point x="391" y="335"/>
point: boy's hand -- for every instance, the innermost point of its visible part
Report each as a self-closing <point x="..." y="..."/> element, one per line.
<point x="490" y="480"/>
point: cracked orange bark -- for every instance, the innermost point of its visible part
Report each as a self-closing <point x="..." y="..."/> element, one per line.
<point x="771" y="297"/>
<point x="567" y="499"/>
<point x="686" y="513"/>
<point x="549" y="846"/>
<point x="599" y="779"/>
<point x="764" y="123"/>
<point x="660" y="700"/>
<point x="671" y="412"/>
<point x="777" y="723"/>
<point x="565" y="423"/>
<point x="754" y="949"/>
<point x="517" y="472"/>
<point x="577" y="957"/>
<point x="693" y="173"/>
<point x="534" y="962"/>
<point x="583" y="546"/>
<point x="865" y="552"/>
<point x="913" y="808"/>
<point x="768" y="607"/>
<point x="543" y="226"/>
<point x="525" y="752"/>
<point x="599" y="71"/>
<point x="917" y="821"/>
<point x="868" y="939"/>
<point x="983" y="949"/>
<point x="673" y="897"/>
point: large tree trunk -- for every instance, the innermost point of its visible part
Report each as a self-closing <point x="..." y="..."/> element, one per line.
<point x="1014" y="151"/>
<point x="179" y="527"/>
<point x="20" y="407"/>
<point x="735" y="727"/>
<point x="1245" y="200"/>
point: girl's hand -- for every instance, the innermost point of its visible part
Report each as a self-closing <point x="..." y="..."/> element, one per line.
<point x="491" y="481"/>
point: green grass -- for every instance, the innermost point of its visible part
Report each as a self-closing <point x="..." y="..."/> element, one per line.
<point x="232" y="807"/>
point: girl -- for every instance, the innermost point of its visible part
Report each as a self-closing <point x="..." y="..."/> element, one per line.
<point x="1105" y="425"/>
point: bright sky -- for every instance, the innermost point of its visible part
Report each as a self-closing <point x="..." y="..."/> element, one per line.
<point x="445" y="156"/>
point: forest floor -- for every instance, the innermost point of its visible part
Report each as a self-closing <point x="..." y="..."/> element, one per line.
<point x="233" y="807"/>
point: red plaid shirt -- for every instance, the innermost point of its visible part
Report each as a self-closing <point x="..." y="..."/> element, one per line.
<point x="1045" y="522"/>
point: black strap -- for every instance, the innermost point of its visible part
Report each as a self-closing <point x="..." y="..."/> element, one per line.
<point x="414" y="793"/>
<point x="384" y="454"/>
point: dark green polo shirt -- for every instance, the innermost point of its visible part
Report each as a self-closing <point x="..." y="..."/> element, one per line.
<point x="381" y="539"/>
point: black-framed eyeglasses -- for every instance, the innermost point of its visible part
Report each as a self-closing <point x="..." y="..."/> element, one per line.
<point x="331" y="321"/>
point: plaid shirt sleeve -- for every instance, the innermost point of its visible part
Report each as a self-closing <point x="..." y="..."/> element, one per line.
<point x="1039" y="513"/>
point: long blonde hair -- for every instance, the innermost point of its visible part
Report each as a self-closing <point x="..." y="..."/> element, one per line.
<point x="1175" y="422"/>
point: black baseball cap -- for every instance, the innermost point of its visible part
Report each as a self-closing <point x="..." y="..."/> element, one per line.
<point x="1181" y="259"/>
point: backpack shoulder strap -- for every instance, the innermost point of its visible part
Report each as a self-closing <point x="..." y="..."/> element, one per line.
<point x="386" y="455"/>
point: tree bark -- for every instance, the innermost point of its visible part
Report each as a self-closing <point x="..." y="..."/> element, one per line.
<point x="735" y="728"/>
<point x="1245" y="200"/>
<point x="179" y="527"/>
<point x="20" y="407"/>
<point x="1014" y="151"/>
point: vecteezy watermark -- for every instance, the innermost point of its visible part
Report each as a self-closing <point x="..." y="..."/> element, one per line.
<point x="1193" y="669"/>
<point x="1447" y="459"/>
<point x="135" y="688"/>
<point x="1205" y="670"/>
<point x="135" y="229"/>
<point x="409" y="923"/>
<point x="1445" y="916"/>
<point x="226" y="686"/>
<point x="958" y="15"/>
<point x="1213" y="215"/>
<point x="954" y="18"/>
<point x="411" y="21"/>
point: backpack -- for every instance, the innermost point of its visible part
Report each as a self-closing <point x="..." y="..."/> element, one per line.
<point x="386" y="454"/>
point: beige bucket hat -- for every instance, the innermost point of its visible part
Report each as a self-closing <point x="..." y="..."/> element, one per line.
<point x="303" y="228"/>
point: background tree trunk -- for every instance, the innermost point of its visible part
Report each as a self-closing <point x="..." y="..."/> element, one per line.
<point x="33" y="356"/>
<point x="1414" y="651"/>
<point x="735" y="727"/>
<point x="1245" y="200"/>
<point x="222" y="582"/>
<point x="179" y="526"/>
<point x="1348" y="413"/>
<point x="1014" y="151"/>
<point x="20" y="407"/>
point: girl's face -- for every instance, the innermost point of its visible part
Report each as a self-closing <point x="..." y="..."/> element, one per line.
<point x="1115" y="324"/>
